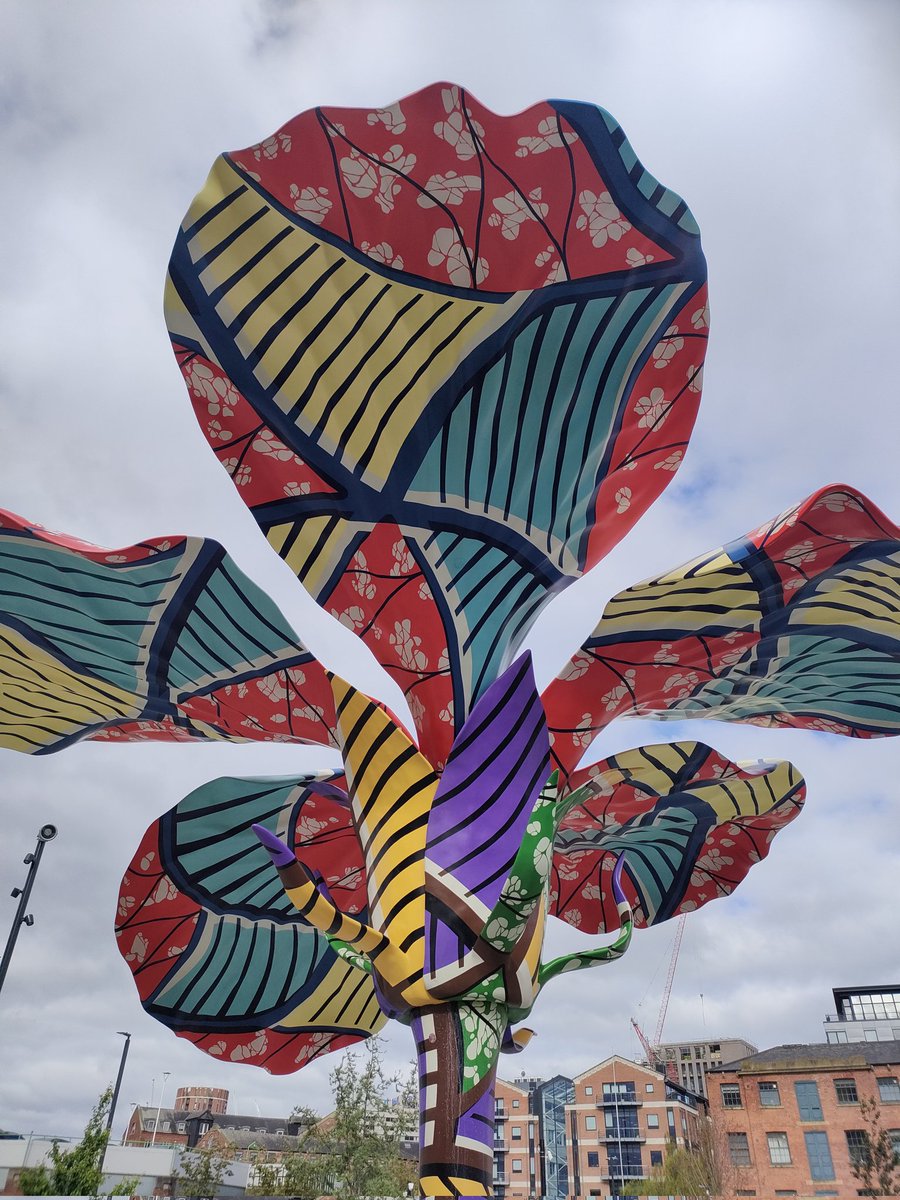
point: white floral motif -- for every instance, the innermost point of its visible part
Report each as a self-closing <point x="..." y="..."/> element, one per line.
<point x="383" y="252"/>
<point x="635" y="258"/>
<point x="623" y="499"/>
<point x="664" y="654"/>
<point x="311" y="203"/>
<point x="407" y="646"/>
<point x="681" y="683"/>
<point x="513" y="210"/>
<point x="250" y="1049"/>
<point x="219" y="393"/>
<point x="351" y="618"/>
<point x="272" y="146"/>
<point x="139" y="948"/>
<point x="652" y="410"/>
<point x="267" y="443"/>
<point x="614" y="697"/>
<point x="671" y="462"/>
<point x="216" y="433"/>
<point x="392" y="118"/>
<point x="447" y="248"/>
<point x="694" y="378"/>
<point x="449" y="188"/>
<point x="543" y="856"/>
<point x="557" y="271"/>
<point x="578" y="665"/>
<point x="361" y="579"/>
<point x="700" y="318"/>
<point x="297" y="489"/>
<point x="667" y="347"/>
<point x="601" y="218"/>
<point x="548" y="138"/>
<point x="459" y="128"/>
<point x="381" y="180"/>
<point x="404" y="563"/>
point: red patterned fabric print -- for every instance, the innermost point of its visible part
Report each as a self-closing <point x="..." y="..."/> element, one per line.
<point x="612" y="676"/>
<point x="580" y="882"/>
<point x="292" y="705"/>
<point x="439" y="186"/>
<point x="656" y="428"/>
<point x="259" y="463"/>
<point x="385" y="599"/>
<point x="277" y="1051"/>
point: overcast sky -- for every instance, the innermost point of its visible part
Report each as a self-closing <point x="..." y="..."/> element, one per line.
<point x="779" y="125"/>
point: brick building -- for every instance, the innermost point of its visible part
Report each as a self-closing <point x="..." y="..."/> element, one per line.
<point x="790" y="1117"/>
<point x="517" y="1165"/>
<point x="623" y="1121"/>
<point x="690" y="1061"/>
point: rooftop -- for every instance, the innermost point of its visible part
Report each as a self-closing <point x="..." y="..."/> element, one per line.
<point x="824" y="1054"/>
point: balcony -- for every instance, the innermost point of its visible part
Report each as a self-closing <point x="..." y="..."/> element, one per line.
<point x="620" y="1102"/>
<point x="610" y="1137"/>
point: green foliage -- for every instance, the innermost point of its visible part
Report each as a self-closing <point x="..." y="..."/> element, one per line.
<point x="355" y="1151"/>
<point x="75" y="1172"/>
<point x="200" y="1173"/>
<point x="698" y="1170"/>
<point x="877" y="1167"/>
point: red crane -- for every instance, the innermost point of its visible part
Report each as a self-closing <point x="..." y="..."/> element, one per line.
<point x="652" y="1051"/>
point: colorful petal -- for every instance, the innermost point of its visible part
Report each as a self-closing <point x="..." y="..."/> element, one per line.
<point x="392" y="329"/>
<point x="798" y="624"/>
<point x="211" y="938"/>
<point x="689" y="822"/>
<point x="165" y="640"/>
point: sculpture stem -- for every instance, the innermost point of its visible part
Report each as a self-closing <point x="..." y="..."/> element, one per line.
<point x="456" y="1127"/>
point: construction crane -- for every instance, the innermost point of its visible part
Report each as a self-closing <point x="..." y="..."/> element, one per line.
<point x="652" y="1050"/>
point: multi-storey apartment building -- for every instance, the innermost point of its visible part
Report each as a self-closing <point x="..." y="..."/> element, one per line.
<point x="864" y="1014"/>
<point x="623" y="1121"/>
<point x="692" y="1060"/>
<point x="790" y="1117"/>
<point x="517" y="1162"/>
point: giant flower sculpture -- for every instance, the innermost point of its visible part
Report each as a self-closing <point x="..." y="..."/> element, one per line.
<point x="448" y="359"/>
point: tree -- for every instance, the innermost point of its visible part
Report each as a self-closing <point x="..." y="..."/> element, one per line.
<point x="78" y="1171"/>
<point x="200" y="1172"/>
<point x="877" y="1164"/>
<point x="356" y="1149"/>
<point x="700" y="1169"/>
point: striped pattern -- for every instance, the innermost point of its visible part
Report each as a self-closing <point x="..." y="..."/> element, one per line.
<point x="211" y="937"/>
<point x="797" y="624"/>
<point x="165" y="639"/>
<point x="502" y="440"/>
<point x="689" y="822"/>
<point x="483" y="803"/>
<point x="348" y="357"/>
<point x="391" y="787"/>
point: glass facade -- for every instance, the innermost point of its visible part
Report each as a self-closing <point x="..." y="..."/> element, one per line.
<point x="550" y="1100"/>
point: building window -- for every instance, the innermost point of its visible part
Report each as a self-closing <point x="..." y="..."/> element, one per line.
<point x="818" y="1152"/>
<point x="181" y="1126"/>
<point x="516" y="1133"/>
<point x="808" y="1101"/>
<point x="768" y="1095"/>
<point x="739" y="1149"/>
<point x="670" y="1118"/>
<point x="819" y="1192"/>
<point x="498" y="1106"/>
<point x="746" y="1192"/>
<point x="871" y="1035"/>
<point x="593" y="1158"/>
<point x="857" y="1145"/>
<point x="652" y="1121"/>
<point x="648" y="1088"/>
<point x="731" y="1095"/>
<point x="889" y="1090"/>
<point x="786" y="1192"/>
<point x="620" y="1091"/>
<point x="845" y="1091"/>
<point x="590" y="1123"/>
<point x="517" y="1164"/>
<point x="656" y="1158"/>
<point x="625" y="1162"/>
<point x="515" y="1103"/>
<point x="589" y="1091"/>
<point x="894" y="1135"/>
<point x="838" y="1035"/>
<point x="779" y="1150"/>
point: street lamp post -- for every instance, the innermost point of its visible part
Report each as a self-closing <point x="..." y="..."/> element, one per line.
<point x="166" y="1075"/>
<point x="115" y="1095"/>
<point x="46" y="833"/>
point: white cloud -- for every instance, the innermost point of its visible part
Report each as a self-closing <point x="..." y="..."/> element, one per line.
<point x="778" y="124"/>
